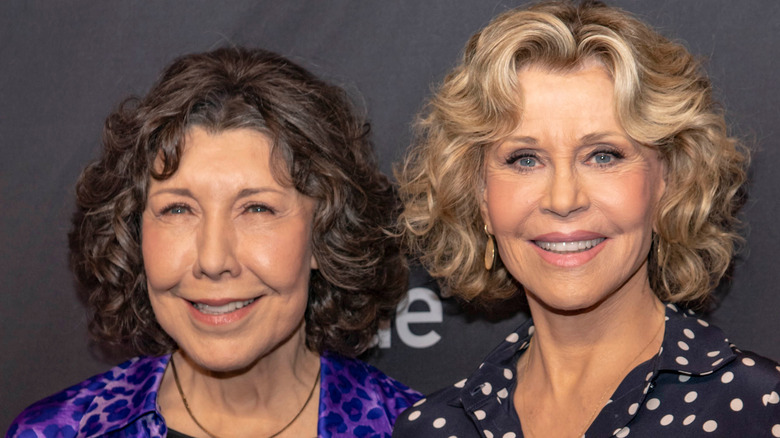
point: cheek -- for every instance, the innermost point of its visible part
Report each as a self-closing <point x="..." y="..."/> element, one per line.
<point x="508" y="203"/>
<point x="164" y="256"/>
<point x="281" y="258"/>
<point x="631" y="200"/>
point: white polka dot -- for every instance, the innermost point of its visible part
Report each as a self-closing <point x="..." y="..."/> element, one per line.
<point x="452" y="436"/>
<point x="481" y="365"/>
<point x="419" y="402"/>
<point x="778" y="368"/>
<point x="647" y="388"/>
<point x="736" y="405"/>
<point x="653" y="404"/>
<point x="748" y="361"/>
<point x="683" y="378"/>
<point x="510" y="435"/>
<point x="623" y="432"/>
<point x="772" y="398"/>
<point x="487" y="433"/>
<point x="439" y="423"/>
<point x="632" y="409"/>
<point x="487" y="388"/>
<point x="514" y="337"/>
<point x="683" y="345"/>
<point x="689" y="419"/>
<point x="727" y="377"/>
<point x="706" y="373"/>
<point x="710" y="426"/>
<point x="508" y="374"/>
<point x="776" y="430"/>
<point x="503" y="393"/>
<point x="703" y="322"/>
<point x="681" y="360"/>
<point x="461" y="384"/>
<point x="717" y="362"/>
<point x="531" y="330"/>
<point x="648" y="376"/>
<point x="688" y="333"/>
<point x="667" y="419"/>
<point x="414" y="415"/>
<point x="691" y="396"/>
<point x="713" y="353"/>
<point x="480" y="414"/>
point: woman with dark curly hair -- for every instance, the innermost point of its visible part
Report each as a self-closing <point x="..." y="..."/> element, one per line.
<point x="234" y="234"/>
<point x="577" y="156"/>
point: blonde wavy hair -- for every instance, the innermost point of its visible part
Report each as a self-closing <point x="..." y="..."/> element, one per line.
<point x="663" y="100"/>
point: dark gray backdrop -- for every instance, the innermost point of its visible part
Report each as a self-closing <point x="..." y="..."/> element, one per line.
<point x="64" y="65"/>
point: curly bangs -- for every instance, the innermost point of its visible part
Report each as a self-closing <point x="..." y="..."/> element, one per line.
<point x="320" y="146"/>
<point x="663" y="101"/>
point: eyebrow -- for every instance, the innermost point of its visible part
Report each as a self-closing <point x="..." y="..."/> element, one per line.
<point x="598" y="136"/>
<point x="244" y="193"/>
<point x="587" y="138"/>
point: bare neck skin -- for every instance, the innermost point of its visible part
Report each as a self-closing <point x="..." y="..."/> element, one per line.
<point x="577" y="359"/>
<point x="256" y="401"/>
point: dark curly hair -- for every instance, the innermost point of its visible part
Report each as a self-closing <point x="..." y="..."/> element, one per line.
<point x="320" y="146"/>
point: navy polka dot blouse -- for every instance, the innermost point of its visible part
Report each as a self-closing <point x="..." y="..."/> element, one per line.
<point x="697" y="385"/>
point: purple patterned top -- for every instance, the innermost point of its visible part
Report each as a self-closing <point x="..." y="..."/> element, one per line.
<point x="356" y="400"/>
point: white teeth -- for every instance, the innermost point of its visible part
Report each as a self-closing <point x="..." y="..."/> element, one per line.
<point x="225" y="308"/>
<point x="567" y="247"/>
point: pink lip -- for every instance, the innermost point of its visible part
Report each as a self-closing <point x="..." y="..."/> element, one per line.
<point x="568" y="237"/>
<point x="223" y="319"/>
<point x="571" y="260"/>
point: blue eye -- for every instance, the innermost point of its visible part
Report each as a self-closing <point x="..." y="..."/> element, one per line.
<point x="258" y="208"/>
<point x="527" y="162"/>
<point x="176" y="209"/>
<point x="602" y="158"/>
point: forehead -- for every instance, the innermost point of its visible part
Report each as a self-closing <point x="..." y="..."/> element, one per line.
<point x="585" y="94"/>
<point x="212" y="146"/>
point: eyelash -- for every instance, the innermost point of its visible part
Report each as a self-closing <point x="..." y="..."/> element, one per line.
<point x="520" y="155"/>
<point x="167" y="210"/>
<point x="263" y="207"/>
<point x="613" y="152"/>
<point x="517" y="156"/>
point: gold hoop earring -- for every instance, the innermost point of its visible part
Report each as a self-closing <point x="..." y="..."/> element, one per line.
<point x="490" y="251"/>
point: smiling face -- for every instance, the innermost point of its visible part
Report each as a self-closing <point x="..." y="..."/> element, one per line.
<point x="569" y="196"/>
<point x="227" y="251"/>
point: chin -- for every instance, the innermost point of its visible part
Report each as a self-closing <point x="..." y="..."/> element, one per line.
<point x="569" y="304"/>
<point x="215" y="361"/>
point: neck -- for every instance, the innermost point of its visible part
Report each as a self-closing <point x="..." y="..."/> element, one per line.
<point x="594" y="344"/>
<point x="258" y="400"/>
<point x="263" y="383"/>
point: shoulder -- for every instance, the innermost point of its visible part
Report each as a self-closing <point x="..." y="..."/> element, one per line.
<point x="119" y="392"/>
<point x="356" y="394"/>
<point x="440" y="412"/>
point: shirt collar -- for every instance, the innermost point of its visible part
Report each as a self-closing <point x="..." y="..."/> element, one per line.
<point x="690" y="347"/>
<point x="140" y="376"/>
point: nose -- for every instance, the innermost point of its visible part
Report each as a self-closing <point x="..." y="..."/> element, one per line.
<point x="216" y="249"/>
<point x="565" y="194"/>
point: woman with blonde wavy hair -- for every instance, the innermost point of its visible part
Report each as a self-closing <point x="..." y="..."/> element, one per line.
<point x="577" y="156"/>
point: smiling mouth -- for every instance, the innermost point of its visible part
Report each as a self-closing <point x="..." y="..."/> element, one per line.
<point x="568" y="247"/>
<point x="223" y="309"/>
